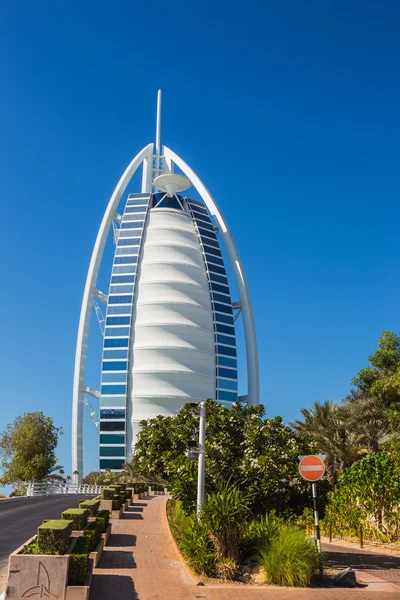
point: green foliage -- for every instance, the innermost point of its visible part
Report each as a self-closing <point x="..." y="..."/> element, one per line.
<point x="369" y="493"/>
<point x="31" y="548"/>
<point x="78" y="516"/>
<point x="54" y="536"/>
<point x="222" y="514"/>
<point x="108" y="493"/>
<point x="157" y="488"/>
<point x="140" y="488"/>
<point x="122" y="487"/>
<point x="259" y="453"/>
<point x="255" y="536"/>
<point x="27" y="449"/>
<point x="78" y="562"/>
<point x="93" y="532"/>
<point x="116" y="488"/>
<point x="192" y="538"/>
<point x="128" y="494"/>
<point x="105" y="515"/>
<point x="290" y="558"/>
<point x="91" y="505"/>
<point x="82" y="545"/>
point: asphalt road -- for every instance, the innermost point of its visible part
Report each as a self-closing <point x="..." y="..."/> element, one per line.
<point x="20" y="518"/>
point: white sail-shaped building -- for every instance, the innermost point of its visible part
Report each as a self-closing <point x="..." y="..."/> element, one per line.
<point x="169" y="330"/>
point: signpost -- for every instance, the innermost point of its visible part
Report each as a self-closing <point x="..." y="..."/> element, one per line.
<point x="312" y="468"/>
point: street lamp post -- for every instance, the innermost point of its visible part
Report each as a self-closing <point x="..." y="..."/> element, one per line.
<point x="201" y="463"/>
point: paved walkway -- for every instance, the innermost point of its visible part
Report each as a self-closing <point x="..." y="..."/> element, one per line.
<point x="140" y="563"/>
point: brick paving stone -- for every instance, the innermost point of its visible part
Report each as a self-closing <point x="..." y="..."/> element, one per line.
<point x="140" y="563"/>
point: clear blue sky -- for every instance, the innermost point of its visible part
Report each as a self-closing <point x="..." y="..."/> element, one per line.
<point x="289" y="111"/>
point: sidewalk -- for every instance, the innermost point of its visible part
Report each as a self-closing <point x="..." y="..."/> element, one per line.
<point x="140" y="564"/>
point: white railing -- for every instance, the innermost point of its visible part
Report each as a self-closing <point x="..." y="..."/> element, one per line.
<point x="54" y="489"/>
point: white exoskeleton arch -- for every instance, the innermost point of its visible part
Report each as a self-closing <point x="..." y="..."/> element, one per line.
<point x="163" y="163"/>
<point x="145" y="157"/>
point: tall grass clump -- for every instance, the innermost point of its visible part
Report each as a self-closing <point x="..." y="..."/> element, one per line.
<point x="290" y="558"/>
<point x="193" y="540"/>
<point x="256" y="535"/>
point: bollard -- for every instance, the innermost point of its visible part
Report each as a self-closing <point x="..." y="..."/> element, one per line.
<point x="330" y="533"/>
<point x="361" y="536"/>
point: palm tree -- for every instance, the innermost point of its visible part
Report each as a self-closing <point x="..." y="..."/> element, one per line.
<point x="325" y="425"/>
<point x="131" y="474"/>
<point x="366" y="416"/>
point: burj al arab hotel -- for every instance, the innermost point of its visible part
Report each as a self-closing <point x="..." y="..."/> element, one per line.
<point x="169" y="318"/>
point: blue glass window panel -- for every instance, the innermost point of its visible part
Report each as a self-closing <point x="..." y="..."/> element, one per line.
<point x="124" y="269"/>
<point x="128" y="242"/>
<point x="112" y="413"/>
<point x="132" y="251"/>
<point x="211" y="251"/>
<point x="224" y="308"/>
<point x="115" y="354"/>
<point x="114" y="377"/>
<point x="225" y="339"/>
<point x="130" y="225"/>
<point x="225" y="329"/>
<point x="114" y="365"/>
<point x="219" y="278"/>
<point x="216" y="260"/>
<point x="112" y="425"/>
<point x="227" y="350"/>
<point x="113" y="389"/>
<point x="224" y="319"/>
<point x="206" y="226"/>
<point x="116" y="343"/>
<point x="227" y="362"/>
<point x="216" y="269"/>
<point x="129" y="233"/>
<point x="112" y="451"/>
<point x="216" y="287"/>
<point x="118" y="321"/>
<point x="125" y="260"/>
<point x="120" y="289"/>
<point x="136" y="209"/>
<point x="222" y="298"/>
<point x="228" y="396"/>
<point x="200" y="213"/>
<point x="112" y="438"/>
<point x="167" y="203"/>
<point x="114" y="401"/>
<point x="232" y="373"/>
<point x="208" y="241"/>
<point x="196" y="202"/>
<point x="226" y="384"/>
<point x="116" y="331"/>
<point x="120" y="299"/>
<point x="119" y="310"/>
<point x="205" y="233"/>
<point x="123" y="279"/>
<point x="111" y="463"/>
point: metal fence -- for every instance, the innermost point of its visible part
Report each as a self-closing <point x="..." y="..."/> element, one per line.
<point x="55" y="489"/>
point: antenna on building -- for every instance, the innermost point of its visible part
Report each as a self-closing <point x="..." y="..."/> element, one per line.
<point x="158" y="127"/>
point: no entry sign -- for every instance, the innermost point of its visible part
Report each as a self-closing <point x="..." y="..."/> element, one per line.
<point x="311" y="467"/>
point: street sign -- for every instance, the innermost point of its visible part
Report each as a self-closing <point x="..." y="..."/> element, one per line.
<point x="311" y="467"/>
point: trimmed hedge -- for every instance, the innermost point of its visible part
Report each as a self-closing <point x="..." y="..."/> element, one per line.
<point x="105" y="515"/>
<point x="116" y="488"/>
<point x="108" y="493"/>
<point x="122" y="486"/>
<point x="54" y="537"/>
<point x="157" y="488"/>
<point x="140" y="488"/>
<point x="91" y="505"/>
<point x="93" y="532"/>
<point x="128" y="494"/>
<point x="79" y="561"/>
<point x="78" y="516"/>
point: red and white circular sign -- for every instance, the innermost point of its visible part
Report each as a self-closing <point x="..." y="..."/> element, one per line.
<point x="311" y="467"/>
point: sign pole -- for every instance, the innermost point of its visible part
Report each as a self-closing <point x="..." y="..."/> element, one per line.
<point x="316" y="517"/>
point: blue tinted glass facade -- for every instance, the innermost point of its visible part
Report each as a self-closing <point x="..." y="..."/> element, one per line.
<point x="224" y="330"/>
<point x="117" y="334"/>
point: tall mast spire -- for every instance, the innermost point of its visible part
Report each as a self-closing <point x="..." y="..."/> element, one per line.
<point x="158" y="127"/>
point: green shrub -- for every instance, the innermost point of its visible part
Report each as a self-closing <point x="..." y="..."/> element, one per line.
<point x="140" y="488"/>
<point x="78" y="516"/>
<point x="291" y="558"/>
<point x="108" y="493"/>
<point x="104" y="514"/>
<point x="255" y="536"/>
<point x="79" y="562"/>
<point x="157" y="488"/>
<point x="128" y="494"/>
<point x="91" y="505"/>
<point x="122" y="486"/>
<point x="116" y="488"/>
<point x="54" y="536"/>
<point x="31" y="548"/>
<point x="93" y="532"/>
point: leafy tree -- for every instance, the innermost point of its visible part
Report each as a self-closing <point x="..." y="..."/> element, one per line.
<point x="258" y="454"/>
<point x="367" y="417"/>
<point x="27" y="450"/>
